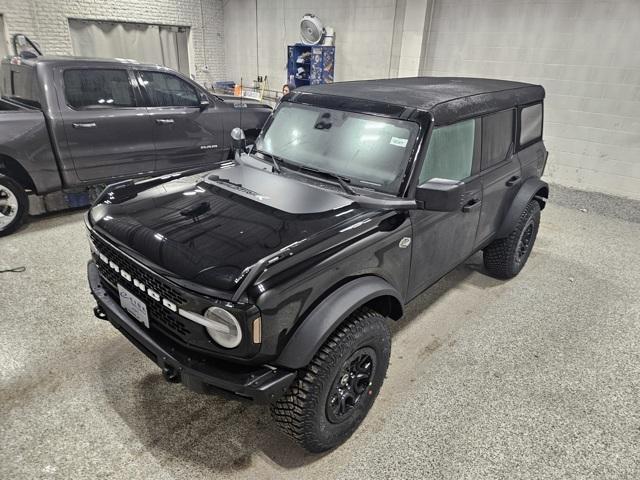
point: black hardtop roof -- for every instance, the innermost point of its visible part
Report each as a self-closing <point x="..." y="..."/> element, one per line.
<point x="447" y="98"/>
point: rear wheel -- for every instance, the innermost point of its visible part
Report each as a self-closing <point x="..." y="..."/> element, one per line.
<point x="334" y="393"/>
<point x="505" y="257"/>
<point x="14" y="204"/>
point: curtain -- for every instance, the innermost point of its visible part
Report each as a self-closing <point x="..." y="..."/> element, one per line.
<point x="144" y="43"/>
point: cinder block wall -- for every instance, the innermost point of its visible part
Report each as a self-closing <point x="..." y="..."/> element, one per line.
<point x="46" y="21"/>
<point x="586" y="53"/>
<point x="364" y="36"/>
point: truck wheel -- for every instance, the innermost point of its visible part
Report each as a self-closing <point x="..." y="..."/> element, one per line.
<point x="505" y="257"/>
<point x="13" y="205"/>
<point x="333" y="394"/>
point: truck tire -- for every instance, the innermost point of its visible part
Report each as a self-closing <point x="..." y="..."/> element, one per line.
<point x="333" y="394"/>
<point x="505" y="257"/>
<point x="14" y="205"/>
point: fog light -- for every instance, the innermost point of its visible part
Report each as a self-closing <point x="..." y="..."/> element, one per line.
<point x="225" y="329"/>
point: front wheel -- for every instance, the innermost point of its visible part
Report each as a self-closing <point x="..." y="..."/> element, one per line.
<point x="334" y="393"/>
<point x="14" y="204"/>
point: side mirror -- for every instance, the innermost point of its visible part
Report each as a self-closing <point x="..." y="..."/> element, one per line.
<point x="204" y="102"/>
<point x="238" y="140"/>
<point x="440" y="195"/>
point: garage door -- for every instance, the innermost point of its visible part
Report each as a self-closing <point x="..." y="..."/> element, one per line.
<point x="161" y="44"/>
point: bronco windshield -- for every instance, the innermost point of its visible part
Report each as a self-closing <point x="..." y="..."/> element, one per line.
<point x="365" y="150"/>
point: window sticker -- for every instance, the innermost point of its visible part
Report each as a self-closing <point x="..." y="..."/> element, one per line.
<point x="399" y="142"/>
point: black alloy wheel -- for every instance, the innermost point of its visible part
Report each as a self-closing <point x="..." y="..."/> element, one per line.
<point x="351" y="384"/>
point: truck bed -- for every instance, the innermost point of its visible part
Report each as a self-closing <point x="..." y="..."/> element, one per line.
<point x="10" y="106"/>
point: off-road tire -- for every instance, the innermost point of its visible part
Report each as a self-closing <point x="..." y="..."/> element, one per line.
<point x="303" y="412"/>
<point x="7" y="183"/>
<point x="505" y="257"/>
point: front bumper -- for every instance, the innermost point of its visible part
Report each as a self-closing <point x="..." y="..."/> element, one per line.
<point x="262" y="384"/>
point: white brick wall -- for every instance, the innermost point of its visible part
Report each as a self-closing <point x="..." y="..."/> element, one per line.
<point x="46" y="21"/>
<point x="586" y="53"/>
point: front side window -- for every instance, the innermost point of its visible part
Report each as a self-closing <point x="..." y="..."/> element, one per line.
<point x="450" y="152"/>
<point x="497" y="137"/>
<point x="367" y="150"/>
<point x="166" y="90"/>
<point x="108" y="88"/>
<point x="530" y="124"/>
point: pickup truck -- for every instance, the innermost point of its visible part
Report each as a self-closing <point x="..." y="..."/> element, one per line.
<point x="69" y="123"/>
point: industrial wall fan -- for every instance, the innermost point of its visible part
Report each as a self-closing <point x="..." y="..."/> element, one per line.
<point x="313" y="31"/>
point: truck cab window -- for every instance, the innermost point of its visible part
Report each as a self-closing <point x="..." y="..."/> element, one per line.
<point x="450" y="152"/>
<point x="497" y="137"/>
<point x="106" y="88"/>
<point x="166" y="90"/>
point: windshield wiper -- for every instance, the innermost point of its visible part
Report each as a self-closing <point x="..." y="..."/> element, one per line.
<point x="275" y="160"/>
<point x="217" y="178"/>
<point x="334" y="176"/>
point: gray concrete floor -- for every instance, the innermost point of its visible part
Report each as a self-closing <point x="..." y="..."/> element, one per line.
<point x="537" y="377"/>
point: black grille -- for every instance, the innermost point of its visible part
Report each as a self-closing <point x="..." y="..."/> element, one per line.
<point x="138" y="272"/>
<point x="159" y="315"/>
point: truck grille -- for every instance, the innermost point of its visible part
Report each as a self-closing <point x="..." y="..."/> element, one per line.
<point x="160" y="316"/>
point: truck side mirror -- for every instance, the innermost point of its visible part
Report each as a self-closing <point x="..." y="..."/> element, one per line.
<point x="440" y="195"/>
<point x="238" y="140"/>
<point x="204" y="101"/>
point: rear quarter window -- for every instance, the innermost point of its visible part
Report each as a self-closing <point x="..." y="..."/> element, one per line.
<point x="530" y="124"/>
<point x="21" y="84"/>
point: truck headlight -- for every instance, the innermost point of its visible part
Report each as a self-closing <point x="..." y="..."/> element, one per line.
<point x="224" y="329"/>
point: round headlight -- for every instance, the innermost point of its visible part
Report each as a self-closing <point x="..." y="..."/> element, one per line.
<point x="226" y="329"/>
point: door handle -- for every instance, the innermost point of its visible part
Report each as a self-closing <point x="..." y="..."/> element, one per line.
<point x="164" y="121"/>
<point x="512" y="181"/>
<point x="471" y="205"/>
<point x="84" y="125"/>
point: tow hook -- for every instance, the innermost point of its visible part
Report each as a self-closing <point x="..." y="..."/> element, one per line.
<point x="99" y="313"/>
<point x="170" y="374"/>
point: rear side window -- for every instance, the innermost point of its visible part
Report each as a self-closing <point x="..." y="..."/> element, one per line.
<point x="450" y="152"/>
<point x="166" y="90"/>
<point x="108" y="88"/>
<point x="497" y="137"/>
<point x="22" y="85"/>
<point x="530" y="124"/>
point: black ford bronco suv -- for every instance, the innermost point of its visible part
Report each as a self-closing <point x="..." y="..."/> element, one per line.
<point x="274" y="276"/>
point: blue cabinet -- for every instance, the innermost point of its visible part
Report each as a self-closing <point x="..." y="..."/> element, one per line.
<point x="310" y="64"/>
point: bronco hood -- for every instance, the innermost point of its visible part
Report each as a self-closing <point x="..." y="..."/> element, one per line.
<point x="208" y="229"/>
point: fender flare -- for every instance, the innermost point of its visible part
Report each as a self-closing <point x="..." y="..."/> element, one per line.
<point x="11" y="166"/>
<point x="331" y="312"/>
<point x="527" y="192"/>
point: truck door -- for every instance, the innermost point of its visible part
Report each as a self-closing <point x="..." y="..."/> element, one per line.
<point x="500" y="171"/>
<point x="186" y="134"/>
<point x="441" y="240"/>
<point x="109" y="134"/>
